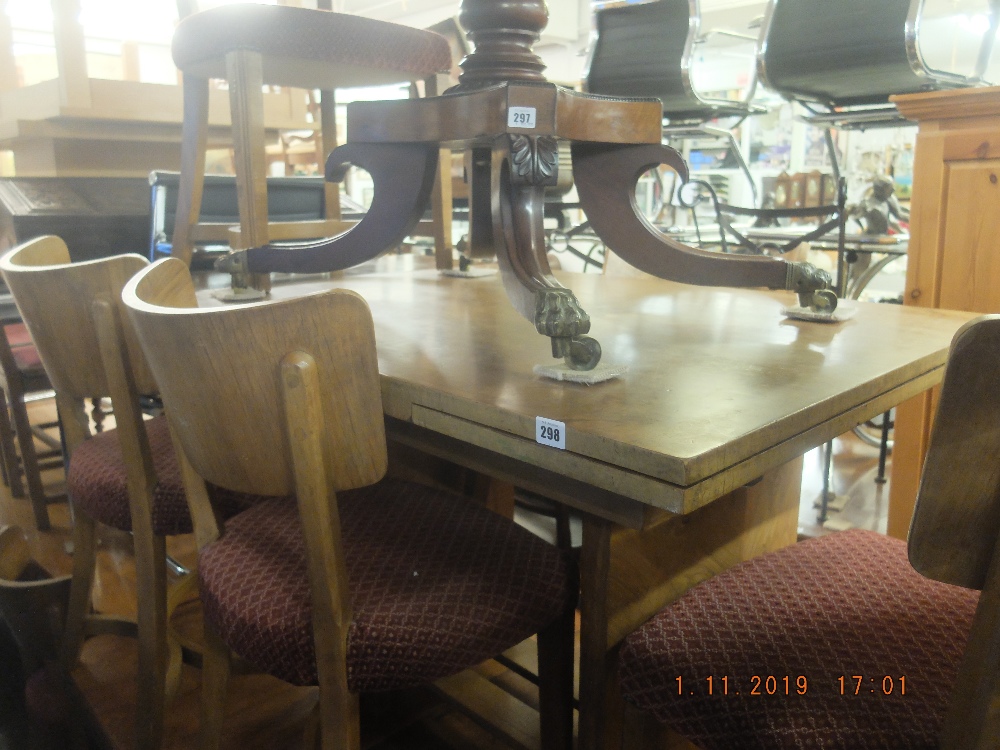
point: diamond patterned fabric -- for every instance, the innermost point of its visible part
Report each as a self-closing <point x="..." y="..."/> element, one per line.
<point x="96" y="482"/>
<point x="843" y="605"/>
<point x="438" y="584"/>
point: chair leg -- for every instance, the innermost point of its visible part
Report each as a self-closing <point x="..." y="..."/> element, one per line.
<point x="84" y="538"/>
<point x="327" y="142"/>
<point x="441" y="210"/>
<point x="216" y="666"/>
<point x="340" y="720"/>
<point x="29" y="457"/>
<point x="194" y="140"/>
<point x="640" y="731"/>
<point x="151" y="593"/>
<point x="555" y="681"/>
<point x="9" y="461"/>
<point x="177" y="594"/>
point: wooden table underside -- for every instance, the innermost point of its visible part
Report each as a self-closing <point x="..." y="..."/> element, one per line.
<point x="722" y="391"/>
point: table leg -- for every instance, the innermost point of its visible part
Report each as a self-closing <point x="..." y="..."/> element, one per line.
<point x="628" y="575"/>
<point x="597" y="687"/>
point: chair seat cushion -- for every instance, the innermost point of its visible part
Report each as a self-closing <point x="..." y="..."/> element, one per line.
<point x="27" y="358"/>
<point x="96" y="483"/>
<point x="17" y="334"/>
<point x="307" y="47"/>
<point x="830" y="610"/>
<point x="438" y="584"/>
<point x="21" y="346"/>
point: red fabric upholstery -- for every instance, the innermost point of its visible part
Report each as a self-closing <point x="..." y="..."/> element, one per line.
<point x="26" y="357"/>
<point x="17" y="334"/>
<point x="308" y="47"/>
<point x="24" y="351"/>
<point x="96" y="483"/>
<point x="438" y="584"/>
<point x="846" y="604"/>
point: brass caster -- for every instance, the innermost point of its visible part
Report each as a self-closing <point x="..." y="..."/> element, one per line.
<point x="584" y="353"/>
<point x="823" y="301"/>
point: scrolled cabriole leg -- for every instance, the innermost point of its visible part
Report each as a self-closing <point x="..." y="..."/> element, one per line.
<point x="605" y="177"/>
<point x="521" y="168"/>
<point x="403" y="176"/>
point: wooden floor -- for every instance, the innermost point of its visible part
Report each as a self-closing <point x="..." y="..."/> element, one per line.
<point x="264" y="713"/>
<point x="863" y="502"/>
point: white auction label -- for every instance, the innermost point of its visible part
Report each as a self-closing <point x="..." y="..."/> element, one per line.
<point x="521" y="117"/>
<point x="550" y="432"/>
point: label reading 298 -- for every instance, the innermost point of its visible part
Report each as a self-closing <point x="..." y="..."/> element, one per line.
<point x="550" y="432"/>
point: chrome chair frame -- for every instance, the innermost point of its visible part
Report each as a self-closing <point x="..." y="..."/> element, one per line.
<point x="689" y="122"/>
<point x="874" y="110"/>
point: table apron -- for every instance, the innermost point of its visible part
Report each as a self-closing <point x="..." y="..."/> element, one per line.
<point x="612" y="486"/>
<point x="618" y="509"/>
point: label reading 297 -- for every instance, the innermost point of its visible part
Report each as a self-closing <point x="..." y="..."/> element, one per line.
<point x="550" y="432"/>
<point x="521" y="117"/>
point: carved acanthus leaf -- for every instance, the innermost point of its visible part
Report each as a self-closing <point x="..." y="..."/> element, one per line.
<point x="534" y="160"/>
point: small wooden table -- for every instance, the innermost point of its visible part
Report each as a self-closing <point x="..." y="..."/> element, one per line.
<point x="686" y="465"/>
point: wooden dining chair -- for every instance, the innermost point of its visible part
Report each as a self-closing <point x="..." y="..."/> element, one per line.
<point x="127" y="478"/>
<point x="855" y="639"/>
<point x="21" y="376"/>
<point x="250" y="45"/>
<point x="357" y="583"/>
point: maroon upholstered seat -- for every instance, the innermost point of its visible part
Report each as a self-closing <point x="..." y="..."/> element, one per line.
<point x="96" y="483"/>
<point x="848" y="604"/>
<point x="23" y="348"/>
<point x="27" y="358"/>
<point x="360" y="583"/>
<point x="308" y="48"/>
<point x="438" y="584"/>
<point x="17" y="334"/>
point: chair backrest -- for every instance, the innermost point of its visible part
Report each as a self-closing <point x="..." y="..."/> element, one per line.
<point x="645" y="50"/>
<point x="55" y="298"/>
<point x="640" y="50"/>
<point x="955" y="530"/>
<point x="956" y="523"/>
<point x="843" y="53"/>
<point x="220" y="376"/>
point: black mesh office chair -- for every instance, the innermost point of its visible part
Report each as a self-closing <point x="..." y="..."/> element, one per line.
<point x="843" y="60"/>
<point x="647" y="50"/>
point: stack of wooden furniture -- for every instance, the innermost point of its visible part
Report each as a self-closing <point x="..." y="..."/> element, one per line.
<point x="78" y="125"/>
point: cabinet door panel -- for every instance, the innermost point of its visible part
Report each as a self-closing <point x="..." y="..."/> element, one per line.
<point x="971" y="261"/>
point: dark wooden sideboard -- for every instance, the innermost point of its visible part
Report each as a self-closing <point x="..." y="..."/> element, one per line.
<point x="96" y="216"/>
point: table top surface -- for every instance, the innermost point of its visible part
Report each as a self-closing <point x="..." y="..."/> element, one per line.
<point x="720" y="384"/>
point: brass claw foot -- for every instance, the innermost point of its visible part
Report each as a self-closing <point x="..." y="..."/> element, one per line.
<point x="812" y="285"/>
